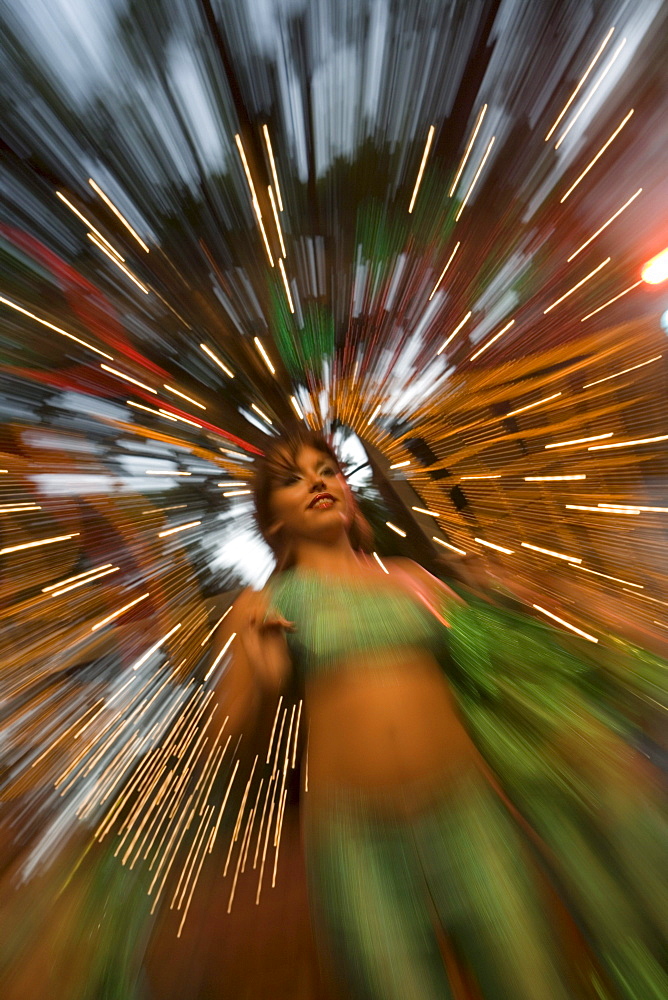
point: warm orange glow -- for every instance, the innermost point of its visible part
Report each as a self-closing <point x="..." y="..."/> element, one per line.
<point x="656" y="270"/>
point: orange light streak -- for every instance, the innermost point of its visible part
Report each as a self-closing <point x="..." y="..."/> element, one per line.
<point x="623" y="372"/>
<point x="261" y="414"/>
<point x="491" y="545"/>
<point x="549" y="552"/>
<point x="296" y="407"/>
<point x="90" y="225"/>
<point x="595" y="437"/>
<point x="380" y="563"/>
<point x="287" y="287"/>
<point x="591" y="93"/>
<point x="448" y="546"/>
<point x="119" y="265"/>
<point x="272" y="162"/>
<point x="127" y="378"/>
<point x="180" y="527"/>
<point x="421" y="510"/>
<point x="157" y="413"/>
<point x="551" y="479"/>
<point x="42" y="541"/>
<point x="207" y="350"/>
<point x="606" y="577"/>
<point x="117" y="614"/>
<point x="177" y="392"/>
<point x="258" y="344"/>
<point x="277" y="221"/>
<point x="627" y="444"/>
<point x="254" y="201"/>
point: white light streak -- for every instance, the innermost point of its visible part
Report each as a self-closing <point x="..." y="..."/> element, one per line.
<point x="491" y="545"/>
<point x="530" y="406"/>
<point x="585" y="635"/>
<point x="296" y="406"/>
<point x="491" y="341"/>
<point x="118" y="264"/>
<point x="149" y="409"/>
<point x="481" y="115"/>
<point x="595" y="437"/>
<point x="117" y="614"/>
<point x="549" y="552"/>
<point x="117" y="213"/>
<point x="57" y="329"/>
<point x="627" y="444"/>
<point x="394" y="528"/>
<point x="287" y="287"/>
<point x="127" y="378"/>
<point x="581" y="82"/>
<point x="177" y="392"/>
<point x="430" y="137"/>
<point x="207" y="350"/>
<point x="265" y="356"/>
<point x="450" y="259"/>
<point x="551" y="479"/>
<point x="152" y="649"/>
<point x="273" y="166"/>
<point x="598" y="155"/>
<point x="277" y="221"/>
<point x="260" y="413"/>
<point x="578" y="285"/>
<point x="380" y="563"/>
<point x="475" y="178"/>
<point x="454" y="333"/>
<point x="400" y="465"/>
<point x="591" y="93"/>
<point x="605" y="225"/>
<point x="448" y="546"/>
<point x="610" y="301"/>
<point x="34" y="545"/>
<point x="180" y="527"/>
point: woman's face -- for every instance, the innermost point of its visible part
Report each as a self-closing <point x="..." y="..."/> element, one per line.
<point x="312" y="500"/>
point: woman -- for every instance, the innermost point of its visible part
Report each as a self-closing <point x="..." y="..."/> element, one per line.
<point x="418" y="868"/>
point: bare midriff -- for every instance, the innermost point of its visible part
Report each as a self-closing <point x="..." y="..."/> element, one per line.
<point x="388" y="729"/>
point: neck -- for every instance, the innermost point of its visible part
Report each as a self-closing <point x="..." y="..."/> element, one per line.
<point x="335" y="557"/>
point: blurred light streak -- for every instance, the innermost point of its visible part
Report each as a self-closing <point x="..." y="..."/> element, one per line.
<point x="475" y="178"/>
<point x="644" y="597"/>
<point x="287" y="287"/>
<point x="579" y="284"/>
<point x="177" y="416"/>
<point x="625" y="506"/>
<point x="393" y="527"/>
<point x="585" y="635"/>
<point x="117" y="614"/>
<point x="448" y="546"/>
<point x="90" y="225"/>
<point x="237" y="493"/>
<point x="380" y="563"/>
<point x="234" y="483"/>
<point x="152" y="649"/>
<point x="142" y="385"/>
<point x="374" y="414"/>
<point x="165" y="472"/>
<point x="551" y="479"/>
<point x="616" y="579"/>
<point x="180" y="527"/>
<point x="656" y="270"/>
<point x="57" y="329"/>
<point x="177" y="392"/>
<point x="116" y="212"/>
<point x="157" y="413"/>
<point x="530" y="406"/>
<point x="400" y="465"/>
<point x="605" y="225"/>
<point x="591" y="93"/>
<point x="491" y="545"/>
<point x="450" y="259"/>
<point x="207" y="350"/>
<point x="595" y="437"/>
<point x="495" y="476"/>
<point x="293" y="763"/>
<point x="254" y="201"/>
<point x="219" y="657"/>
<point x="260" y="413"/>
<point x="88" y="579"/>
<point x="118" y="264"/>
<point x="581" y="82"/>
<point x="421" y="510"/>
<point x="549" y="552"/>
<point x="610" y="301"/>
<point x="258" y="344"/>
<point x="277" y="221"/>
<point x="623" y="372"/>
<point x="42" y="541"/>
<point x="454" y="332"/>
<point x="221" y="619"/>
<point x="481" y="115"/>
<point x="272" y="162"/>
<point x="296" y="407"/>
<point x="597" y="157"/>
<point x="599" y="510"/>
<point x="19" y="508"/>
<point x="627" y="444"/>
<point x="491" y="341"/>
<point x="430" y="137"/>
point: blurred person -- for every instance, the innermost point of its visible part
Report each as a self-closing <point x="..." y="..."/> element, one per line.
<point x="431" y="717"/>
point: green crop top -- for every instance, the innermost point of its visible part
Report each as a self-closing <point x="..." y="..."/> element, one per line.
<point x="337" y="618"/>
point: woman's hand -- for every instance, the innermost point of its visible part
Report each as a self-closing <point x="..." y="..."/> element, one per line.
<point x="261" y="634"/>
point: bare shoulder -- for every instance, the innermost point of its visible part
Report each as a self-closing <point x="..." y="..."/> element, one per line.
<point x="423" y="577"/>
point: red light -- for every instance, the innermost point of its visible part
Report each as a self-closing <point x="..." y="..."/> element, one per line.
<point x="656" y="270"/>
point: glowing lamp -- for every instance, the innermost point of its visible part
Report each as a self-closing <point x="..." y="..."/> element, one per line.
<point x="656" y="270"/>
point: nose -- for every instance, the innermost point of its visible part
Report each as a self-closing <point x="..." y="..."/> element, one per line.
<point x="317" y="483"/>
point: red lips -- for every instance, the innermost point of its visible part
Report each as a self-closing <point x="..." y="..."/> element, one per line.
<point x="322" y="496"/>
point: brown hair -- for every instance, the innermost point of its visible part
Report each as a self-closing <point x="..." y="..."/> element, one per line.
<point x="279" y="458"/>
